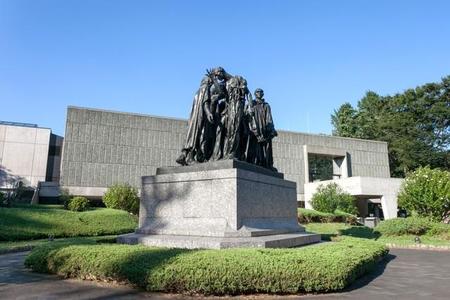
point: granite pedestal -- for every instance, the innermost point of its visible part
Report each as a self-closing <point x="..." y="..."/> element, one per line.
<point x="219" y="204"/>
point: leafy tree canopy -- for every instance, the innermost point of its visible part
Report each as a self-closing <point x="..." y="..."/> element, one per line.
<point x="415" y="123"/>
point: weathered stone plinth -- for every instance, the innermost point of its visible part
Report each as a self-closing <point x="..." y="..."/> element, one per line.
<point x="218" y="205"/>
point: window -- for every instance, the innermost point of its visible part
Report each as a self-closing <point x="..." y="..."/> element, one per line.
<point x="320" y="167"/>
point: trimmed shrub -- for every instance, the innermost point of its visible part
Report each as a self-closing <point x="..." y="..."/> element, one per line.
<point x="402" y="226"/>
<point x="439" y="230"/>
<point x="414" y="226"/>
<point x="122" y="196"/>
<point x="312" y="216"/>
<point x="331" y="197"/>
<point x="323" y="268"/>
<point x="426" y="192"/>
<point x="78" y="204"/>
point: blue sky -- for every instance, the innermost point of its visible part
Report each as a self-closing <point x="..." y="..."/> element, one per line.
<point x="149" y="56"/>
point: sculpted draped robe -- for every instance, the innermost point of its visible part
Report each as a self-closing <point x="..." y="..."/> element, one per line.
<point x="197" y="121"/>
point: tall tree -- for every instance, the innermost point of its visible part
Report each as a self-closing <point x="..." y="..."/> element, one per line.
<point x="343" y="121"/>
<point x="415" y="123"/>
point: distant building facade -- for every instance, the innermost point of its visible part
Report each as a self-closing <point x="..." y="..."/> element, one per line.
<point x="101" y="148"/>
<point x="29" y="154"/>
<point x="104" y="147"/>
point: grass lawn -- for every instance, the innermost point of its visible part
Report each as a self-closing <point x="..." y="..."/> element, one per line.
<point x="330" y="230"/>
<point x="39" y="221"/>
<point x="320" y="268"/>
<point x="6" y="247"/>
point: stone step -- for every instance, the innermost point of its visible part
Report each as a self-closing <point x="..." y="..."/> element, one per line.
<point x="195" y="242"/>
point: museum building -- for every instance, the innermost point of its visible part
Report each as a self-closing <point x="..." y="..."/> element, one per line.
<point x="102" y="147"/>
<point x="31" y="155"/>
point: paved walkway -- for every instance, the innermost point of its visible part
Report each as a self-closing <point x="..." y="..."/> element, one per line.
<point x="407" y="274"/>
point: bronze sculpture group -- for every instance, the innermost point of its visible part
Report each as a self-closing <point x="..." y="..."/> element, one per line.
<point x="226" y="123"/>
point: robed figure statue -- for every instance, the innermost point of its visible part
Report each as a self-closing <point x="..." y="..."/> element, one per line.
<point x="262" y="131"/>
<point x="231" y="130"/>
<point x="200" y="136"/>
<point x="226" y="123"/>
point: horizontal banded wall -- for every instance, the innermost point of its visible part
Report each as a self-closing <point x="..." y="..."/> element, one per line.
<point x="103" y="147"/>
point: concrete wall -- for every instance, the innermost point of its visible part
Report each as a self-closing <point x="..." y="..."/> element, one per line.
<point x="23" y="154"/>
<point x="365" y="158"/>
<point x="104" y="147"/>
<point x="386" y="189"/>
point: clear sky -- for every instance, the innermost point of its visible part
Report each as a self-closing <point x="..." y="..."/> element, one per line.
<point x="149" y="56"/>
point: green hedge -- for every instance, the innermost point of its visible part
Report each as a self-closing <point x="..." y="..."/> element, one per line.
<point x="312" y="216"/>
<point x="413" y="226"/>
<point x="78" y="204"/>
<point x="322" y="268"/>
<point x="122" y="196"/>
<point x="30" y="223"/>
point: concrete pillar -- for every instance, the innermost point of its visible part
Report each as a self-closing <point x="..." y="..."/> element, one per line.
<point x="309" y="189"/>
<point x="306" y="163"/>
<point x="337" y="162"/>
<point x="340" y="167"/>
<point x="389" y="205"/>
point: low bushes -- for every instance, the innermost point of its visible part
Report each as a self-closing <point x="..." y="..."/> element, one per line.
<point x="331" y="197"/>
<point x="78" y="204"/>
<point x="402" y="226"/>
<point x="413" y="226"/>
<point x="437" y="235"/>
<point x="122" y="196"/>
<point x="322" y="268"/>
<point x="30" y="223"/>
<point x="312" y="216"/>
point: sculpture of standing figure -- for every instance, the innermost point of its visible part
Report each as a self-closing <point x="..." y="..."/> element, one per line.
<point x="226" y="123"/>
<point x="231" y="138"/>
<point x="218" y="95"/>
<point x="192" y="150"/>
<point x="262" y="131"/>
<point x="200" y="135"/>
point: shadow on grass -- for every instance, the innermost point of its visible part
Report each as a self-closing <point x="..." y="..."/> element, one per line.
<point x="360" y="232"/>
<point x="138" y="266"/>
<point x="327" y="236"/>
<point x="355" y="231"/>
<point x="17" y="225"/>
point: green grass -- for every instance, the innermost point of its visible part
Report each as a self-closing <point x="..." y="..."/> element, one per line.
<point x="38" y="222"/>
<point x="38" y="206"/>
<point x="327" y="230"/>
<point x="408" y="240"/>
<point x="6" y="247"/>
<point x="330" y="230"/>
<point x="321" y="268"/>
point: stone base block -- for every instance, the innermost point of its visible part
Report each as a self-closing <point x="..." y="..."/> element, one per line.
<point x="194" y="242"/>
<point x="220" y="204"/>
<point x="222" y="199"/>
